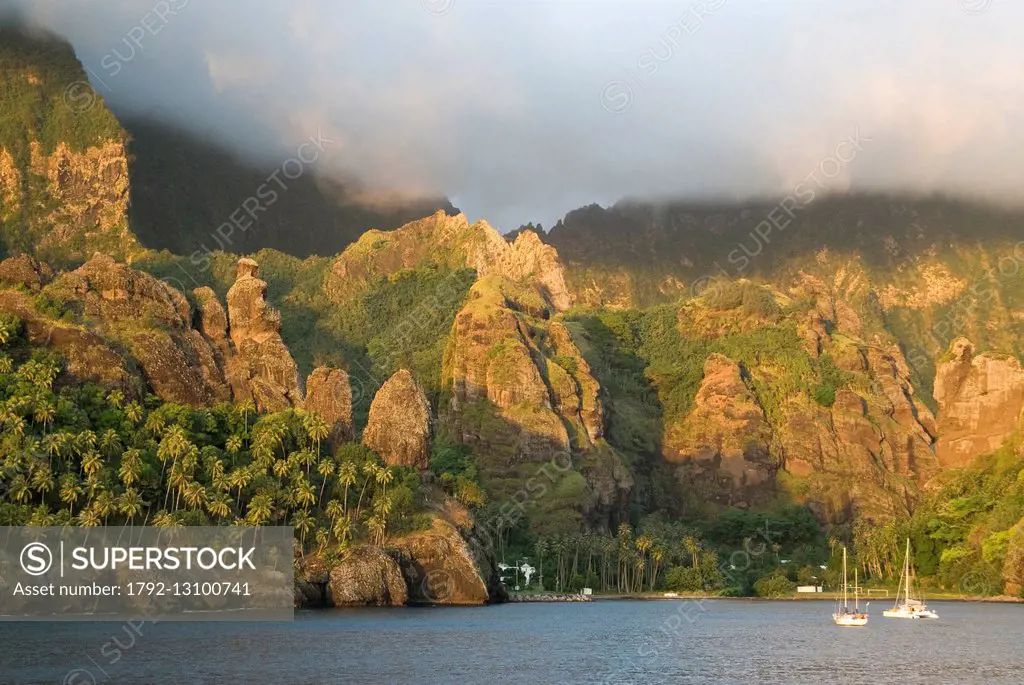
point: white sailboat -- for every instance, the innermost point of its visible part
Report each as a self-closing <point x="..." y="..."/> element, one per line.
<point x="844" y="615"/>
<point x="908" y="606"/>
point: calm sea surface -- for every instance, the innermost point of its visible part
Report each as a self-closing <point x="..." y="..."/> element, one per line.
<point x="607" y="641"/>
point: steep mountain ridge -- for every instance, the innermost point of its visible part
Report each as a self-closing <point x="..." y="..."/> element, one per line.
<point x="674" y="361"/>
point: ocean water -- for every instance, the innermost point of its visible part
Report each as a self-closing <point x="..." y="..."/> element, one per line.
<point x="678" y="641"/>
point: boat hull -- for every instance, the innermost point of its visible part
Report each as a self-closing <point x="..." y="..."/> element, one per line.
<point x="902" y="613"/>
<point x="850" y="619"/>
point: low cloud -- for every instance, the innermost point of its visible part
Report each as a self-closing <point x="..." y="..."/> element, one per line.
<point x="506" y="106"/>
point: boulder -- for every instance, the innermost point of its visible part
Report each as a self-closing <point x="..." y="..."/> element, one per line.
<point x="329" y="394"/>
<point x="444" y="565"/>
<point x="367" y="576"/>
<point x="398" y="428"/>
<point x="26" y="271"/>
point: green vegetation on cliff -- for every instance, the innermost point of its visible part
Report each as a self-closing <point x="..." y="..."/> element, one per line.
<point x="78" y="455"/>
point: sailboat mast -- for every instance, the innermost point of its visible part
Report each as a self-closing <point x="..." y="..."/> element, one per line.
<point x="844" y="579"/>
<point x="906" y="570"/>
<point x="856" y="591"/>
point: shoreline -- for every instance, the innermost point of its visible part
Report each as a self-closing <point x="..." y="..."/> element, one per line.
<point x="525" y="599"/>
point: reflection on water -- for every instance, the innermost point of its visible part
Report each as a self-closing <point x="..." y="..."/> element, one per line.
<point x="606" y="641"/>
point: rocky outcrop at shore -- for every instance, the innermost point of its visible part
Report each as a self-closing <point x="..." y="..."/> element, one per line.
<point x="366" y="576"/>
<point x="446" y="565"/>
<point x="575" y="597"/>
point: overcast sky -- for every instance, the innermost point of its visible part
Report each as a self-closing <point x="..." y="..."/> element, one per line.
<point x="522" y="110"/>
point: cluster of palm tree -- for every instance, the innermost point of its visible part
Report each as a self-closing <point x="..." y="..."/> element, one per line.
<point x="82" y="456"/>
<point x="628" y="562"/>
<point x="879" y="547"/>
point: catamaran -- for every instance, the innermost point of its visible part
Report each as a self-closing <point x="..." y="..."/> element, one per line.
<point x="908" y="606"/>
<point x="844" y="615"/>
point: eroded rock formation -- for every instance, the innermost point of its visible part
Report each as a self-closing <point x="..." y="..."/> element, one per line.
<point x="262" y="368"/>
<point x="445" y="566"/>
<point x="367" y="576"/>
<point x="726" y="429"/>
<point x="329" y="394"/>
<point x="453" y="242"/>
<point x="399" y="424"/>
<point x="981" y="398"/>
<point x="153" y="319"/>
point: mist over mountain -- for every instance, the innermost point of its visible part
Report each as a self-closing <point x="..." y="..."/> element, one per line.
<point x="518" y="115"/>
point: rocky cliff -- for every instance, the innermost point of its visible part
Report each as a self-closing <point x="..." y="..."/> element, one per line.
<point x="124" y="328"/>
<point x="521" y="388"/>
<point x="64" y="184"/>
<point x="981" y="402"/>
<point x="450" y="242"/>
<point x="726" y="430"/>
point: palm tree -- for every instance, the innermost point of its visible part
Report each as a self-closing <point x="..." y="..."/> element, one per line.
<point x="89" y="518"/>
<point x="240" y="478"/>
<point x="369" y="471"/>
<point x="219" y="505"/>
<point x="347" y="476"/>
<point x="42" y="479"/>
<point x="133" y="412"/>
<point x="70" y="490"/>
<point x="104" y="503"/>
<point x="317" y="429"/>
<point x="326" y="469"/>
<point x="377" y="526"/>
<point x="303" y="523"/>
<point x="260" y="509"/>
<point x="130" y="504"/>
<point x="541" y="548"/>
<point x="131" y="467"/>
<point x="334" y="509"/>
<point x="196" y="495"/>
<point x="304" y="493"/>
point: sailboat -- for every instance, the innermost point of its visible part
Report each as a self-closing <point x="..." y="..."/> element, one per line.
<point x="908" y="606"/>
<point x="844" y="615"/>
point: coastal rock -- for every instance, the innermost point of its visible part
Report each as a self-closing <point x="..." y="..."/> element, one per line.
<point x="981" y="399"/>
<point x="329" y="394"/>
<point x="441" y="566"/>
<point x="366" y="576"/>
<point x="398" y="428"/>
